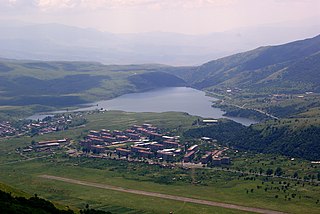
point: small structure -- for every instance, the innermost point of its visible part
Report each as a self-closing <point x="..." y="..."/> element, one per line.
<point x="225" y="160"/>
<point x="97" y="149"/>
<point x="136" y="149"/>
<point x="209" y="121"/>
<point x="206" y="158"/>
<point x="167" y="156"/>
<point x="216" y="161"/>
<point x="169" y="144"/>
<point x="194" y="148"/>
<point x="189" y="156"/>
<point x="156" y="146"/>
<point x="145" y="154"/>
<point x="123" y="152"/>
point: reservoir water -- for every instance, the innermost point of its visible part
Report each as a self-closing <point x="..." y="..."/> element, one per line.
<point x="180" y="99"/>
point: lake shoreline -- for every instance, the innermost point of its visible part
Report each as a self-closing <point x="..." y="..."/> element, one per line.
<point x="179" y="99"/>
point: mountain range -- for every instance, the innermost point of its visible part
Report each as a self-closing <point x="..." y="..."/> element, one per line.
<point x="292" y="67"/>
<point x="56" y="42"/>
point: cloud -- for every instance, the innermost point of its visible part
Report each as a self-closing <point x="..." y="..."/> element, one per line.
<point x="15" y="5"/>
<point x="53" y="5"/>
<point x="57" y="4"/>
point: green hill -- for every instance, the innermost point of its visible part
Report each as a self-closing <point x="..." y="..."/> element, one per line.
<point x="42" y="85"/>
<point x="273" y="137"/>
<point x="289" y="67"/>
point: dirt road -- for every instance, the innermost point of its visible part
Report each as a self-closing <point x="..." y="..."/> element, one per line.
<point x="160" y="195"/>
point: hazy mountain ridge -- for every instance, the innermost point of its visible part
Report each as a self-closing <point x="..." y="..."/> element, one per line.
<point x="291" y="63"/>
<point x="55" y="42"/>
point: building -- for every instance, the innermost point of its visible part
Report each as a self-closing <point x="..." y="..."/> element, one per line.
<point x="167" y="156"/>
<point x="145" y="154"/>
<point x="117" y="132"/>
<point x="121" y="138"/>
<point x="189" y="156"/>
<point x="225" y="160"/>
<point x="206" y="158"/>
<point x="97" y="149"/>
<point x="123" y="152"/>
<point x="169" y="144"/>
<point x="136" y="149"/>
<point x="108" y="139"/>
<point x="209" y="121"/>
<point x="95" y="133"/>
<point x="52" y="141"/>
<point x="133" y="136"/>
<point x="194" y="148"/>
<point x="216" y="161"/>
<point x="48" y="145"/>
<point x="156" y="146"/>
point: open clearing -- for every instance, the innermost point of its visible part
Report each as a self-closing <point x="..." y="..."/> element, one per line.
<point x="159" y="195"/>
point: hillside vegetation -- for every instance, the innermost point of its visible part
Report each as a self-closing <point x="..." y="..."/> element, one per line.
<point x="51" y="85"/>
<point x="270" y="137"/>
<point x="283" y="68"/>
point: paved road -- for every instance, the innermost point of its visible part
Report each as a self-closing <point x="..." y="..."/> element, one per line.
<point x="160" y="195"/>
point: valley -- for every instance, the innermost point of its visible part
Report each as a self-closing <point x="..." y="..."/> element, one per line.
<point x="271" y="166"/>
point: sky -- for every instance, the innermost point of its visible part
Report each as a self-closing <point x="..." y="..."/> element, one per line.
<point x="180" y="16"/>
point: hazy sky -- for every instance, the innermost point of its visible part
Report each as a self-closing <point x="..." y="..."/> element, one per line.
<point x="183" y="16"/>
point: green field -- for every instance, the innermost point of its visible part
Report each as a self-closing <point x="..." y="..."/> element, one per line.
<point x="208" y="184"/>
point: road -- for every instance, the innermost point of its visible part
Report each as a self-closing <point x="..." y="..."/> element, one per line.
<point x="160" y="195"/>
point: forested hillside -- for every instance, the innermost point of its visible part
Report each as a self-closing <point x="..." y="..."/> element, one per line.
<point x="302" y="142"/>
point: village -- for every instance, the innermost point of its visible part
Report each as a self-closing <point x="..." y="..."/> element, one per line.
<point x="146" y="142"/>
<point x="40" y="127"/>
<point x="140" y="142"/>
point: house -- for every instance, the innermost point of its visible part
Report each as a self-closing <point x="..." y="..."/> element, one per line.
<point x="95" y="133"/>
<point x="123" y="152"/>
<point x="97" y="149"/>
<point x="189" y="156"/>
<point x="121" y="138"/>
<point x="225" y="160"/>
<point x="156" y="146"/>
<point x="117" y="132"/>
<point x="194" y="148"/>
<point x="209" y="121"/>
<point x="136" y="149"/>
<point x="216" y="161"/>
<point x="52" y="141"/>
<point x="145" y="154"/>
<point x="108" y="139"/>
<point x="167" y="156"/>
<point x="169" y="144"/>
<point x="133" y="136"/>
<point x="206" y="158"/>
<point x="48" y="145"/>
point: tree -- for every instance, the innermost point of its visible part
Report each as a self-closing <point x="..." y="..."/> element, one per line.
<point x="295" y="175"/>
<point x="278" y="171"/>
<point x="269" y="171"/>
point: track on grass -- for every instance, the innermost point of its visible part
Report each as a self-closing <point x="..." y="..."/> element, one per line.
<point x="161" y="195"/>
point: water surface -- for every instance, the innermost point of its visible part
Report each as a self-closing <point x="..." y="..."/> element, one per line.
<point x="180" y="99"/>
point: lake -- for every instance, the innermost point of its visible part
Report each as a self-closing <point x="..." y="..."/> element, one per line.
<point x="180" y="99"/>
